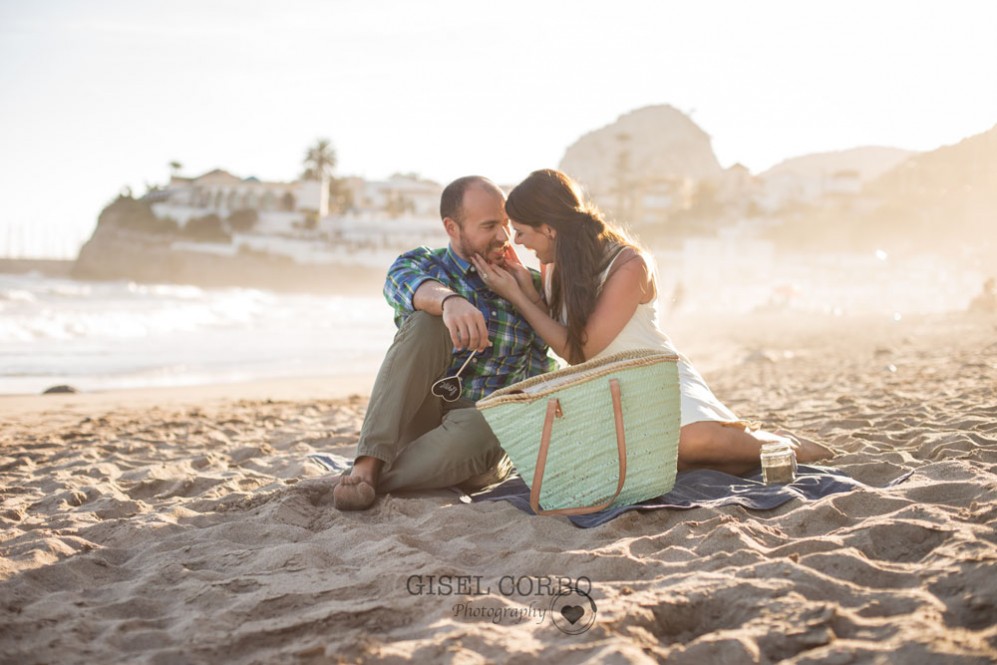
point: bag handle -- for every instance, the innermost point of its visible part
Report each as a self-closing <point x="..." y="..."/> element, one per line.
<point x="554" y="410"/>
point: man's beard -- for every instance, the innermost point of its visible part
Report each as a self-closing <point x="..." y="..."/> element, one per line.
<point x="469" y="251"/>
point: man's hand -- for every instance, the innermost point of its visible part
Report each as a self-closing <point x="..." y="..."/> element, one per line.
<point x="466" y="325"/>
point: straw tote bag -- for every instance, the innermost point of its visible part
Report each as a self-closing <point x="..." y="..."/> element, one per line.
<point x="594" y="435"/>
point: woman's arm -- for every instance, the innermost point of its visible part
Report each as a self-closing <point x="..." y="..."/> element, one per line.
<point x="628" y="286"/>
<point x="504" y="283"/>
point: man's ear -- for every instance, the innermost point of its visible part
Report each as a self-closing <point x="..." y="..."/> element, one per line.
<point x="452" y="228"/>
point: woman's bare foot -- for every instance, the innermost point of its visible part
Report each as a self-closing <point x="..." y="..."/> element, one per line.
<point x="807" y="450"/>
<point x="356" y="491"/>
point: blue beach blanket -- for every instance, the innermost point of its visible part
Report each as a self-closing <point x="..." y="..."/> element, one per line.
<point x="693" y="489"/>
<point x="704" y="488"/>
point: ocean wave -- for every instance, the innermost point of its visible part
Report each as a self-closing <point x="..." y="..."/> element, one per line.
<point x="127" y="334"/>
<point x="183" y="292"/>
<point x="17" y="295"/>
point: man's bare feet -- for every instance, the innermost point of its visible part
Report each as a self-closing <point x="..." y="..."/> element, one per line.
<point x="357" y="490"/>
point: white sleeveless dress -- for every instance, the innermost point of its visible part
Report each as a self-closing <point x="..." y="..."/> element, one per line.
<point x="698" y="403"/>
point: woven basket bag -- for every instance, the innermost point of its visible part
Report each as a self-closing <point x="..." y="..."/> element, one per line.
<point x="599" y="434"/>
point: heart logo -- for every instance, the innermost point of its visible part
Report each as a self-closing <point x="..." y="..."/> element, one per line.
<point x="447" y="389"/>
<point x="572" y="613"/>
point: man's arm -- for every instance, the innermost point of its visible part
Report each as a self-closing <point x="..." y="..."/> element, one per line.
<point x="465" y="322"/>
<point x="411" y="286"/>
<point x="405" y="276"/>
<point x="429" y="297"/>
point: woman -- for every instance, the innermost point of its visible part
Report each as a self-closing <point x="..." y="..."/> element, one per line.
<point x="600" y="300"/>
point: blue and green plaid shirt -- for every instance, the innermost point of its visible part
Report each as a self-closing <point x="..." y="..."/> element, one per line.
<point x="516" y="353"/>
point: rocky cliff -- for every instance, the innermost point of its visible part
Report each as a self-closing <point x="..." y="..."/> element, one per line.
<point x="120" y="254"/>
<point x="654" y="142"/>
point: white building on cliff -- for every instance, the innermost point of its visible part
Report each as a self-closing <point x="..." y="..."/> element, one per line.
<point x="373" y="220"/>
<point x="278" y="204"/>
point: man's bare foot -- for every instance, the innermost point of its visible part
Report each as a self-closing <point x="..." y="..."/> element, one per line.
<point x="356" y="491"/>
<point x="353" y="493"/>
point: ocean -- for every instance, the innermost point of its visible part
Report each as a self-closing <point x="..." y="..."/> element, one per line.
<point x="109" y="335"/>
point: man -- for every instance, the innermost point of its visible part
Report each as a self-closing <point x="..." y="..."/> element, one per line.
<point x="411" y="439"/>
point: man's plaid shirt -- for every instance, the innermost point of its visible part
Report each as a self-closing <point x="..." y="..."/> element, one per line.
<point x="516" y="353"/>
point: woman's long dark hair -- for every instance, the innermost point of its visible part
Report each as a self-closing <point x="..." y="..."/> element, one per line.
<point x="584" y="246"/>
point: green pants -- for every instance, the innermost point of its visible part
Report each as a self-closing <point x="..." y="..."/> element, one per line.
<point x="425" y="442"/>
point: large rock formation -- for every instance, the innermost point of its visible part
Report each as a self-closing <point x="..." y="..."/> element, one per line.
<point x="112" y="254"/>
<point x="654" y="143"/>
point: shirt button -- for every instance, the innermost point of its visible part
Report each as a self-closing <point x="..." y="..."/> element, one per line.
<point x="494" y="313"/>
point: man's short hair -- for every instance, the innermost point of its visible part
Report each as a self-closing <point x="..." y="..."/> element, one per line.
<point x="452" y="200"/>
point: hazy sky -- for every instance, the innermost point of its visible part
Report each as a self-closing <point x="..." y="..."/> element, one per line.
<point x="98" y="94"/>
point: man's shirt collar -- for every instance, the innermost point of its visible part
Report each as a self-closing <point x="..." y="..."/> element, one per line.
<point x="465" y="267"/>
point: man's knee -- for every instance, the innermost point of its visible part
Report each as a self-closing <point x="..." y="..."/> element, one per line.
<point x="471" y="428"/>
<point x="420" y="320"/>
<point x="423" y="328"/>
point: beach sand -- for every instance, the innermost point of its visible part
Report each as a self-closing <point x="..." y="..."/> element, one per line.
<point x="187" y="526"/>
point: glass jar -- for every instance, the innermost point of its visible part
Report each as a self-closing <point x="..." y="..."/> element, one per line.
<point x="778" y="463"/>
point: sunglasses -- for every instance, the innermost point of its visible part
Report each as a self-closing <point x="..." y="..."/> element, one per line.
<point x="448" y="389"/>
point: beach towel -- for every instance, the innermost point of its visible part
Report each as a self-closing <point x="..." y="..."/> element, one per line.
<point x="701" y="488"/>
<point x="705" y="488"/>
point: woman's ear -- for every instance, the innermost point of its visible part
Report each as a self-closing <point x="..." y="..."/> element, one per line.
<point x="549" y="231"/>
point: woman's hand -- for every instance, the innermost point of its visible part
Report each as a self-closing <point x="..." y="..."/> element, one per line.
<point x="521" y="273"/>
<point x="497" y="279"/>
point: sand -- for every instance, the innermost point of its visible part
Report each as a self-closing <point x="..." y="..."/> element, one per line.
<point x="187" y="526"/>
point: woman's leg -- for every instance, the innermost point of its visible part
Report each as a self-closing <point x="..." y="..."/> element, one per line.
<point x="732" y="449"/>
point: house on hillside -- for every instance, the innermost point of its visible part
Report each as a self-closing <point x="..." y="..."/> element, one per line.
<point x="653" y="198"/>
<point x="278" y="204"/>
<point x="400" y="212"/>
<point x="401" y="195"/>
<point x="291" y="218"/>
<point x="788" y="188"/>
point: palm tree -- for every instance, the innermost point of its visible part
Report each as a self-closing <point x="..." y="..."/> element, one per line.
<point x="175" y="167"/>
<point x="320" y="161"/>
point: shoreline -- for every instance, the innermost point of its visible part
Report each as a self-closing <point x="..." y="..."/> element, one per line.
<point x="61" y="268"/>
<point x="293" y="389"/>
<point x="716" y="345"/>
